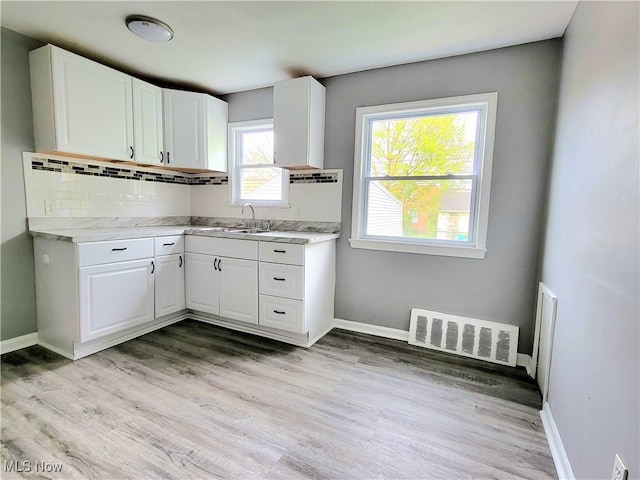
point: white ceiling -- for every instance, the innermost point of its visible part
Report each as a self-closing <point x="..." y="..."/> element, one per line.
<point x="226" y="47"/>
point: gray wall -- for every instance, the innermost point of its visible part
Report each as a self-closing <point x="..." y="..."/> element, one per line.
<point x="18" y="304"/>
<point x="380" y="288"/>
<point x="591" y="259"/>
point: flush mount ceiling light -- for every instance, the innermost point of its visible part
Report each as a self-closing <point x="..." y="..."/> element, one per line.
<point x="149" y="28"/>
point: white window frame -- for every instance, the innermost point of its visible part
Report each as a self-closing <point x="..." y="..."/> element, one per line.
<point x="476" y="248"/>
<point x="234" y="131"/>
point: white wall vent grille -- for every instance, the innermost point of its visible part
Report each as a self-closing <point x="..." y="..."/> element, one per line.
<point x="469" y="337"/>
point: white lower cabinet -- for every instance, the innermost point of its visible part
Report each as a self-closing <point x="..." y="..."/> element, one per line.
<point x="169" y="288"/>
<point x="169" y="267"/>
<point x="202" y="283"/>
<point x="93" y="295"/>
<point x="222" y="277"/>
<point x="297" y="287"/>
<point x="282" y="313"/>
<point x="114" y="297"/>
<point x="238" y="289"/>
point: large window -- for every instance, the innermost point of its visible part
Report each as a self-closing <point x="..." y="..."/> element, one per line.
<point x="254" y="178"/>
<point x="422" y="176"/>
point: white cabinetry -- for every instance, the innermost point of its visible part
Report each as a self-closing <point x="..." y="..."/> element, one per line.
<point x="202" y="283"/>
<point x="222" y="277"/>
<point x="93" y="295"/>
<point x="297" y="287"/>
<point x="80" y="106"/>
<point x="298" y="123"/>
<point x="195" y="131"/>
<point x="147" y="122"/>
<point x="114" y="297"/>
<point x="169" y="275"/>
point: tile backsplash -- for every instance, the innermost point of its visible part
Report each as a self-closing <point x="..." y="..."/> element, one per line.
<point x="62" y="187"/>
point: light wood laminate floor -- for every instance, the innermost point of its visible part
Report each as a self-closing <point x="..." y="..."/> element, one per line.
<point x="196" y="401"/>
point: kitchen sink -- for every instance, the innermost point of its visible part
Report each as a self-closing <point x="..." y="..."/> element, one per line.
<point x="227" y="230"/>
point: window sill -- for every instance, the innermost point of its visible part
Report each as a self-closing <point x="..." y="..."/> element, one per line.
<point x="443" y="250"/>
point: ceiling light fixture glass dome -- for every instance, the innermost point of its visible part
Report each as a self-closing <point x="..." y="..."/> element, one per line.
<point x="149" y="28"/>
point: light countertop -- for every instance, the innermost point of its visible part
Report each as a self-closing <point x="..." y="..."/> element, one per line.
<point x="81" y="235"/>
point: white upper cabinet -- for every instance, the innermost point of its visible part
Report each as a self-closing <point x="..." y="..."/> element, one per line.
<point x="80" y="106"/>
<point x="298" y="123"/>
<point x="147" y="123"/>
<point x="195" y="131"/>
<point x="83" y="108"/>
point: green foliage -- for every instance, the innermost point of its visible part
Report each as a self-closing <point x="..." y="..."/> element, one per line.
<point x="424" y="146"/>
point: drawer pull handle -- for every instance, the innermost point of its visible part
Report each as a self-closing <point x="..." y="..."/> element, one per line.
<point x="280" y="251"/>
<point x="180" y="266"/>
<point x="279" y="279"/>
<point x="219" y="264"/>
<point x="215" y="264"/>
<point x="279" y="312"/>
<point x="168" y="244"/>
<point x="118" y="249"/>
<point x="153" y="267"/>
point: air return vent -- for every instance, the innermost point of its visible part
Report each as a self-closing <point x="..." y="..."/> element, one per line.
<point x="469" y="337"/>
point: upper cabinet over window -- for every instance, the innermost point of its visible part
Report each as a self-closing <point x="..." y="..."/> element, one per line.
<point x="80" y="106"/>
<point x="83" y="108"/>
<point x="422" y="173"/>
<point x="195" y="131"/>
<point x="298" y="123"/>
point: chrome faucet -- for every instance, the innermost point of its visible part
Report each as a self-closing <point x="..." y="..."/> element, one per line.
<point x="253" y="216"/>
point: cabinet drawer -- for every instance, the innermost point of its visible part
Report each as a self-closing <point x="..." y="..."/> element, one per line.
<point x="224" y="247"/>
<point x="282" y="280"/>
<point x="282" y="313"/>
<point x="168" y="245"/>
<point x="282" y="253"/>
<point x="96" y="253"/>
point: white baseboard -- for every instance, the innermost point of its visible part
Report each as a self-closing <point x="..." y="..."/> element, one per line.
<point x="385" y="332"/>
<point x="17" y="343"/>
<point x="560" y="459"/>
<point x="524" y="360"/>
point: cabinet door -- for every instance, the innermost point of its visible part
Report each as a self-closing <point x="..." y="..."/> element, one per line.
<point x="114" y="297"/>
<point x="184" y="127"/>
<point x="298" y="123"/>
<point x="290" y="122"/>
<point x="202" y="281"/>
<point x="93" y="107"/>
<point x="239" y="289"/>
<point x="169" y="284"/>
<point x="147" y="122"/>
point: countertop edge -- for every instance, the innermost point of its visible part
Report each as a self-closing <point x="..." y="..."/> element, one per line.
<point x="305" y="238"/>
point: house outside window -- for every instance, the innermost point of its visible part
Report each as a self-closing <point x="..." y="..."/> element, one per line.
<point x="422" y="173"/>
<point x="253" y="176"/>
